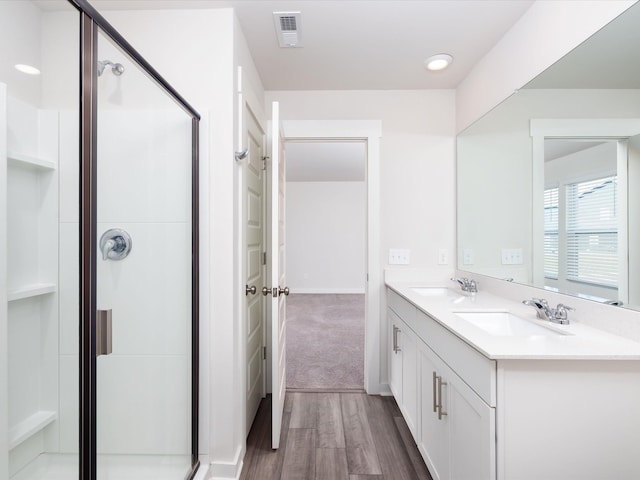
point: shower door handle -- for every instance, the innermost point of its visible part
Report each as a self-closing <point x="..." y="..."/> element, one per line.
<point x="103" y="332"/>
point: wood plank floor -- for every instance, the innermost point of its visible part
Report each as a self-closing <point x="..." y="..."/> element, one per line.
<point x="334" y="436"/>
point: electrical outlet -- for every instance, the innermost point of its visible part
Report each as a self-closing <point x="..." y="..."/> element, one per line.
<point x="467" y="256"/>
<point x="399" y="256"/>
<point x="443" y="256"/>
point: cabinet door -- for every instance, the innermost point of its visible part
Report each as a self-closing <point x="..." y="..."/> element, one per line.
<point x="461" y="445"/>
<point x="433" y="434"/>
<point x="409" y="347"/>
<point x="472" y="434"/>
<point x="395" y="356"/>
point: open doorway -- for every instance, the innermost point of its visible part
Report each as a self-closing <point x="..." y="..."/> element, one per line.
<point x="326" y="225"/>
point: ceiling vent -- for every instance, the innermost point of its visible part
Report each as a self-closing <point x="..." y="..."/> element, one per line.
<point x="288" y="29"/>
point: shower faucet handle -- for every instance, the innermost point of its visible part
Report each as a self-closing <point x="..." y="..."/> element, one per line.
<point x="107" y="247"/>
<point x="115" y="244"/>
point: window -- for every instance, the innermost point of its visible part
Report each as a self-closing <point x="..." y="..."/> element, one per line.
<point x="551" y="233"/>
<point x="592" y="232"/>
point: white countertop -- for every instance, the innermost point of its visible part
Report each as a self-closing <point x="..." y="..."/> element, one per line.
<point x="582" y="343"/>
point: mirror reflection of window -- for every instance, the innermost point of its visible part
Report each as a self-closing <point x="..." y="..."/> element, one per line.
<point x="581" y="206"/>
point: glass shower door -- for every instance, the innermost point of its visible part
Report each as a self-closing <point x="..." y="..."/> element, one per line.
<point x="143" y="275"/>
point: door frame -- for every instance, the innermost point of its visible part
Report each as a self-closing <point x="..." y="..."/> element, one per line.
<point x="369" y="131"/>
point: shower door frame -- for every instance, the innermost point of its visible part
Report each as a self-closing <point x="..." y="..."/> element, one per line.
<point x="91" y="22"/>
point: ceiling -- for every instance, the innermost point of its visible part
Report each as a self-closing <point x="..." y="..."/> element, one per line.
<point x="361" y="44"/>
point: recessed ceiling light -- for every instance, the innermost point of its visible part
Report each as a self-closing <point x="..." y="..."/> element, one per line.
<point x="28" y="69"/>
<point x="438" y="62"/>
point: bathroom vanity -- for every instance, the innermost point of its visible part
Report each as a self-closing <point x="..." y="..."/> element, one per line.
<point x="490" y="392"/>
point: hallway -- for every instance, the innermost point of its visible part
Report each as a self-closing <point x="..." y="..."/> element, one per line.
<point x="334" y="436"/>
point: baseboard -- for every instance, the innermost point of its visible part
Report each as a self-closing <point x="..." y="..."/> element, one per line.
<point x="227" y="470"/>
<point x="335" y="291"/>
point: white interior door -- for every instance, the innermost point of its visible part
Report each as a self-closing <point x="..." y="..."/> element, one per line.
<point x="278" y="290"/>
<point x="254" y="274"/>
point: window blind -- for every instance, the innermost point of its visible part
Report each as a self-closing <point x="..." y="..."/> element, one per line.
<point x="551" y="233"/>
<point x="592" y="231"/>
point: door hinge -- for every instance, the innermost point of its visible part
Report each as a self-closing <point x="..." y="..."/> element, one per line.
<point x="264" y="258"/>
<point x="264" y="353"/>
<point x="264" y="162"/>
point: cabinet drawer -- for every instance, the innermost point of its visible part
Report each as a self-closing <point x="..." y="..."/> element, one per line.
<point x="403" y="308"/>
<point x="474" y="368"/>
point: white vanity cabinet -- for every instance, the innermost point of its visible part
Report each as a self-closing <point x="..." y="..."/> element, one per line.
<point x="527" y="416"/>
<point x="452" y="425"/>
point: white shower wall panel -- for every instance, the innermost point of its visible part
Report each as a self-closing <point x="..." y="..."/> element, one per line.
<point x="69" y="407"/>
<point x="149" y="291"/>
<point x="24" y="360"/>
<point x="23" y="188"/>
<point x="69" y="167"/>
<point x="143" y="160"/>
<point x="136" y="419"/>
<point x="69" y="288"/>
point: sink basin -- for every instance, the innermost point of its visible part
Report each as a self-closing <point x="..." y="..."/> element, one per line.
<point x="506" y="324"/>
<point x="434" y="291"/>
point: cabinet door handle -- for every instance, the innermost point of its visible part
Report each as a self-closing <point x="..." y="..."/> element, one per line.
<point x="395" y="340"/>
<point x="435" y="395"/>
<point x="441" y="413"/>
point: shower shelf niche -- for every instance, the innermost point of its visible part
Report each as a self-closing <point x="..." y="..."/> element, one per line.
<point x="29" y="291"/>
<point x="29" y="164"/>
<point x="29" y="427"/>
<point x="20" y="159"/>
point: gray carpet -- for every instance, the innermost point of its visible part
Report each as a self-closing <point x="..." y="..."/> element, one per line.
<point x="325" y="341"/>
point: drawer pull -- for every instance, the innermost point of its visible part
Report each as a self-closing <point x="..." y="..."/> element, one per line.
<point x="396" y="348"/>
<point x="435" y="395"/>
<point x="441" y="413"/>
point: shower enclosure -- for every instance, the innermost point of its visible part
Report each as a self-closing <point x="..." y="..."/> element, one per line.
<point x="98" y="254"/>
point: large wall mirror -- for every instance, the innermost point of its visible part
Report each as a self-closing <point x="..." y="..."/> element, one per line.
<point x="549" y="180"/>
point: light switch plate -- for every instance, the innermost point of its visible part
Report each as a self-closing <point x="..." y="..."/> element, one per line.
<point x="512" y="256"/>
<point x="399" y="256"/>
<point x="443" y="256"/>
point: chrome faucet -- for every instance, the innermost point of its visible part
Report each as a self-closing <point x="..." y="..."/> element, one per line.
<point x="545" y="312"/>
<point x="467" y="285"/>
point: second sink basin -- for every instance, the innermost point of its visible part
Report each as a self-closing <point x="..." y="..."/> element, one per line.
<point x="507" y="325"/>
<point x="434" y="292"/>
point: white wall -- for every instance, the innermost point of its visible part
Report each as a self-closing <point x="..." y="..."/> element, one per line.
<point x="545" y="33"/>
<point x="326" y="237"/>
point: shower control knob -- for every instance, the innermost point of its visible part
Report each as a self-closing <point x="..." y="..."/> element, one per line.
<point x="115" y="244"/>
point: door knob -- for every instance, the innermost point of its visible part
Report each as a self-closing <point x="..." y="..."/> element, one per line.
<point x="250" y="290"/>
<point x="284" y="290"/>
<point x="266" y="291"/>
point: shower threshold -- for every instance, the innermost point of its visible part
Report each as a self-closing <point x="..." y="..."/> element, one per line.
<point x="54" y="466"/>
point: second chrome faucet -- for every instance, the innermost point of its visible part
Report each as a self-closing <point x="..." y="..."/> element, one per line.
<point x="545" y="312"/>
<point x="469" y="286"/>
